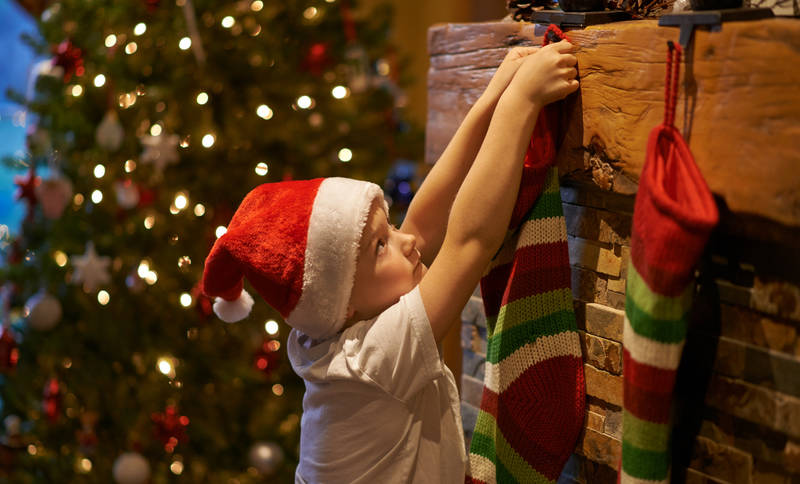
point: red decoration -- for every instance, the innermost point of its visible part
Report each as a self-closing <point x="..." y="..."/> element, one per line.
<point x="27" y="189"/>
<point x="51" y="405"/>
<point x="146" y="196"/>
<point x="70" y="58"/>
<point x="86" y="435"/>
<point x="9" y="353"/>
<point x="317" y="58"/>
<point x="267" y="359"/>
<point x="151" y="5"/>
<point x="170" y="428"/>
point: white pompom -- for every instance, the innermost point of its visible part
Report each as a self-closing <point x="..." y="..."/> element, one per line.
<point x="131" y="468"/>
<point x="232" y="311"/>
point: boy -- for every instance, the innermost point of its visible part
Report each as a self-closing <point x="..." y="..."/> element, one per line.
<point x="369" y="302"/>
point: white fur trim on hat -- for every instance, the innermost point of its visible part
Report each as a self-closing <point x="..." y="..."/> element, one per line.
<point x="338" y="217"/>
<point x="236" y="310"/>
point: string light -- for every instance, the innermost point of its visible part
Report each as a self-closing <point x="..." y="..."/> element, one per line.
<point x="184" y="262"/>
<point x="77" y="199"/>
<point x="60" y="258"/>
<point x="181" y="201"/>
<point x="186" y="299"/>
<point x="202" y="98"/>
<point x="340" y="92"/>
<point x="149" y="221"/>
<point x="151" y="278"/>
<point x="97" y="196"/>
<point x="264" y="112"/>
<point x="144" y="268"/>
<point x="199" y="210"/>
<point x="111" y="40"/>
<point x="345" y="155"/>
<point x="103" y="297"/>
<point x="139" y="29"/>
<point x="228" y="22"/>
<point x="262" y="169"/>
<point x="130" y="165"/>
<point x="310" y="13"/>
<point x="185" y="141"/>
<point x="383" y="67"/>
<point x="127" y="100"/>
<point x="277" y="389"/>
<point x="155" y="130"/>
<point x="99" y="171"/>
<point x="271" y="327"/>
<point x="176" y="467"/>
<point x="220" y="231"/>
<point x="99" y="80"/>
<point x="185" y="43"/>
<point x="166" y="365"/>
<point x="131" y="47"/>
<point x="304" y="102"/>
<point x="208" y="140"/>
<point x="257" y="6"/>
<point x="84" y="465"/>
<point x="76" y="90"/>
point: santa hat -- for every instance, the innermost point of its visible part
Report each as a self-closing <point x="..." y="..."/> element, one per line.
<point x="297" y="243"/>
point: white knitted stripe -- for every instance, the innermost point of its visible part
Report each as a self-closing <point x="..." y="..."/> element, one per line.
<point x="499" y="376"/>
<point x="625" y="478"/>
<point x="666" y="356"/>
<point x="482" y="469"/>
<point x="539" y="231"/>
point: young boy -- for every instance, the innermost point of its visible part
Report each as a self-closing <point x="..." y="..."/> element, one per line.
<point x="368" y="302"/>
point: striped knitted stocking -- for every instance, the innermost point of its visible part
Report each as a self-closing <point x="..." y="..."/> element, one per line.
<point x="673" y="217"/>
<point x="532" y="409"/>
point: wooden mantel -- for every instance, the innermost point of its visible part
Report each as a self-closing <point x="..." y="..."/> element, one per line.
<point x="739" y="104"/>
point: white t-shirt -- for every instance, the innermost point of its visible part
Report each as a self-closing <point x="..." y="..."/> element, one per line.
<point x="380" y="404"/>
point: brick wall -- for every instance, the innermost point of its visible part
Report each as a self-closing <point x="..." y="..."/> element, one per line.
<point x="738" y="392"/>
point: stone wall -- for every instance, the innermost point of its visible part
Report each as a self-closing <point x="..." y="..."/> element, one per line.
<point x="737" y="398"/>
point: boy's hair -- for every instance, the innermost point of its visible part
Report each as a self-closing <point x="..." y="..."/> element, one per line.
<point x="297" y="243"/>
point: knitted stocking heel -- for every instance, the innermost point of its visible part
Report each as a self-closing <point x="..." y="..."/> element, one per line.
<point x="672" y="220"/>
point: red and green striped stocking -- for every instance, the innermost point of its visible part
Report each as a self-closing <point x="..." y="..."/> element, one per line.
<point x="672" y="220"/>
<point x="532" y="408"/>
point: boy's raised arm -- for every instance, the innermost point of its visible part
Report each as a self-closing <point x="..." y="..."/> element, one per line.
<point x="482" y="207"/>
<point x="430" y="208"/>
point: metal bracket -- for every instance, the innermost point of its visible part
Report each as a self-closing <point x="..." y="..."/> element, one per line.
<point x="687" y="21"/>
<point x="577" y="20"/>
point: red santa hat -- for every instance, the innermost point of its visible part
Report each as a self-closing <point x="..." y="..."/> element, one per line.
<point x="297" y="243"/>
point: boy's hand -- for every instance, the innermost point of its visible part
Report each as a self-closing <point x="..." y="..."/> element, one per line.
<point x="547" y="76"/>
<point x="502" y="77"/>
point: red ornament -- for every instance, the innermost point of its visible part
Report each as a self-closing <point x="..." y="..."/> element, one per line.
<point x="86" y="435"/>
<point x="9" y="353"/>
<point x="170" y="428"/>
<point x="70" y="58"/>
<point x="317" y="58"/>
<point x="151" y="5"/>
<point x="202" y="303"/>
<point x="27" y="189"/>
<point x="51" y="405"/>
<point x="267" y="359"/>
<point x="146" y="196"/>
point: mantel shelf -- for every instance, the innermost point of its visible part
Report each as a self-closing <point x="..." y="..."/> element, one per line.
<point x="739" y="104"/>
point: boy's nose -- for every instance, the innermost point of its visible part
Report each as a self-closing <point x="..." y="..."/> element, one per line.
<point x="409" y="244"/>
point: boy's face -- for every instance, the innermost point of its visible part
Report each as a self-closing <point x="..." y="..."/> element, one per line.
<point x="388" y="267"/>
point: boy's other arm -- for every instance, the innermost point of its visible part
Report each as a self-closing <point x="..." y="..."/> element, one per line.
<point x="429" y="210"/>
<point x="482" y="208"/>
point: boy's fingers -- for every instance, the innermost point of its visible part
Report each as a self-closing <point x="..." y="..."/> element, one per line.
<point x="568" y="60"/>
<point x="563" y="46"/>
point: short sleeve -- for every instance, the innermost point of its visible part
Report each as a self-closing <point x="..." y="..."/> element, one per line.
<point x="397" y="350"/>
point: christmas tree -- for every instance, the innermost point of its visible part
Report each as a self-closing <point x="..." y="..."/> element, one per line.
<point x="152" y="121"/>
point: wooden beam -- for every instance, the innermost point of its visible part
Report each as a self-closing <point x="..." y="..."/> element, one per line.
<point x="738" y="107"/>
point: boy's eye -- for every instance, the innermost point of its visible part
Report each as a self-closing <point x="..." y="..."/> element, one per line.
<point x="379" y="246"/>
